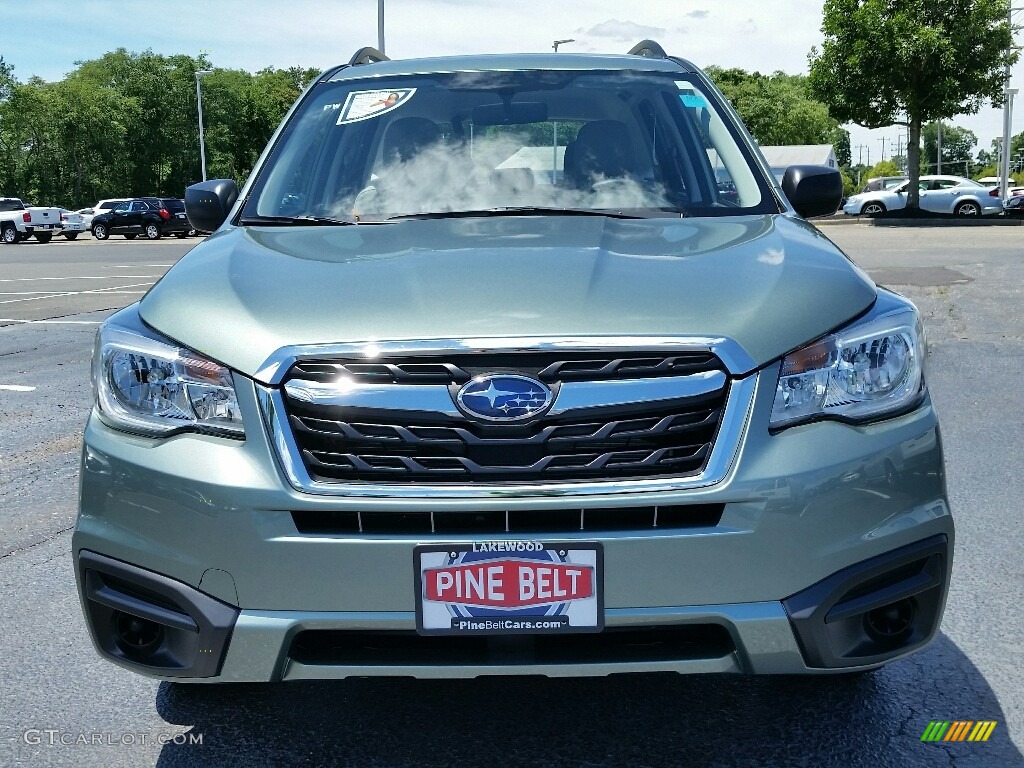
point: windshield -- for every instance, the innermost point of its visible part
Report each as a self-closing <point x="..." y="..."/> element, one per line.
<point x="630" y="142"/>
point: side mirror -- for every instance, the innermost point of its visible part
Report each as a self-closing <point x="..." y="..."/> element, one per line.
<point x="900" y="191"/>
<point x="208" y="203"/>
<point x="813" y="190"/>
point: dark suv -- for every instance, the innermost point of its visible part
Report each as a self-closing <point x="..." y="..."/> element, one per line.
<point x="152" y="217"/>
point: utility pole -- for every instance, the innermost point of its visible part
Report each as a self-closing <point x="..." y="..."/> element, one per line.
<point x="380" y="25"/>
<point x="883" y="150"/>
<point x="938" y="159"/>
<point x="1008" y="94"/>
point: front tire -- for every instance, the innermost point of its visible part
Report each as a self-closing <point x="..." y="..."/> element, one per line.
<point x="872" y="209"/>
<point x="9" y="234"/>
<point x="967" y="209"/>
<point x="100" y="232"/>
<point x="45" y="237"/>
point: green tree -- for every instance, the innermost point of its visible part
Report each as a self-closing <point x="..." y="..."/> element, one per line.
<point x="957" y="146"/>
<point x="884" y="168"/>
<point x="840" y="140"/>
<point x="778" y="109"/>
<point x="889" y="61"/>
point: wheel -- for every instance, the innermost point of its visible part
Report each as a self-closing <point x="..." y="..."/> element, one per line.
<point x="100" y="232"/>
<point x="190" y="233"/>
<point x="152" y="232"/>
<point x="70" y="235"/>
<point x="9" y="235"/>
<point x="872" y="209"/>
<point x="967" y="209"/>
<point x="44" y="237"/>
<point x="131" y="236"/>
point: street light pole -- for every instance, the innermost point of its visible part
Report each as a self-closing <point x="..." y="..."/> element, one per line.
<point x="199" y="102"/>
<point x="380" y="25"/>
<point x="1008" y="94"/>
<point x="555" y="43"/>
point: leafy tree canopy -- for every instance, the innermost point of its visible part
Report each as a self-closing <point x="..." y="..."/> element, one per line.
<point x="127" y="124"/>
<point x="778" y="109"/>
<point x="911" y="61"/>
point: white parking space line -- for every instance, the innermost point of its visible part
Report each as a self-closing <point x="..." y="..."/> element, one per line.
<point x="113" y="289"/>
<point x="136" y="266"/>
<point x="16" y="388"/>
<point x="84" y="277"/>
<point x="50" y="322"/>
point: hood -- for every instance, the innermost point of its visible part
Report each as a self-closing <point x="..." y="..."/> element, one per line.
<point x="769" y="283"/>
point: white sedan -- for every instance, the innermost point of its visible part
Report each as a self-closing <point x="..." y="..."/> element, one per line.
<point x="940" y="194"/>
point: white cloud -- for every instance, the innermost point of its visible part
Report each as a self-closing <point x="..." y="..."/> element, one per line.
<point x="625" y="30"/>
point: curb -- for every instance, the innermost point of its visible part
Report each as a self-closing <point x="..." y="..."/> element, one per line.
<point x="988" y="221"/>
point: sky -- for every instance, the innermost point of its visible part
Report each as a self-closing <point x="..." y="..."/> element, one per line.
<point x="761" y="35"/>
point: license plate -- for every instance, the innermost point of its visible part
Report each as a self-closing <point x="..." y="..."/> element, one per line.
<point x="180" y="215"/>
<point x="509" y="588"/>
<point x="46" y="226"/>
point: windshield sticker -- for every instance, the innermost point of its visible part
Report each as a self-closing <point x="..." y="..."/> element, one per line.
<point x="362" y="105"/>
<point x="693" y="100"/>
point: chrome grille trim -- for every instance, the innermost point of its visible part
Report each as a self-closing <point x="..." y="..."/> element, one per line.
<point x="436" y="398"/>
<point x="735" y="418"/>
<point x="733" y="356"/>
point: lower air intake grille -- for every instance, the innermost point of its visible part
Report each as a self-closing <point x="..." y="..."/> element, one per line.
<point x="548" y="522"/>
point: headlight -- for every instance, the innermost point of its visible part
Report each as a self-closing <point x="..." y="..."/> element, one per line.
<point x="147" y="385"/>
<point x="857" y="374"/>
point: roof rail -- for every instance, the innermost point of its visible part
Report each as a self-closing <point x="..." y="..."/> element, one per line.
<point x="367" y="55"/>
<point x="648" y="49"/>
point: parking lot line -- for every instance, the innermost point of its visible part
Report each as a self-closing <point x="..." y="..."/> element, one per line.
<point x="83" y="277"/>
<point x="16" y="388"/>
<point x="113" y="289"/>
<point x="50" y="322"/>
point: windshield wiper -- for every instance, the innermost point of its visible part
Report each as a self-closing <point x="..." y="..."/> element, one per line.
<point x="541" y="211"/>
<point x="295" y="221"/>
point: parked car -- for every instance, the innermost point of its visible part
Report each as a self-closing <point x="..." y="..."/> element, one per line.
<point x="405" y="414"/>
<point x="140" y="216"/>
<point x="72" y="224"/>
<point x="881" y="183"/>
<point x="1013" y="205"/>
<point x="19" y="222"/>
<point x="86" y="214"/>
<point x="175" y="222"/>
<point x="939" y="194"/>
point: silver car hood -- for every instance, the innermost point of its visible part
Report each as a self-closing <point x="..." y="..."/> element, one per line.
<point x="768" y="283"/>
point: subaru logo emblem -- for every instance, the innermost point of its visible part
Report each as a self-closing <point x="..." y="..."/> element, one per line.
<point x="504" y="397"/>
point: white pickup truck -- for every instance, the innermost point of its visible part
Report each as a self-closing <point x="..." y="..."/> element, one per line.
<point x="20" y="222"/>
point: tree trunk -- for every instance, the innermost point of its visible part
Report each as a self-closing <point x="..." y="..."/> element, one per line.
<point x="914" y="161"/>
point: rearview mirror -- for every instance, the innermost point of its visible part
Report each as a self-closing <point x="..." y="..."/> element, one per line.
<point x="813" y="190"/>
<point x="208" y="203"/>
<point x="516" y="113"/>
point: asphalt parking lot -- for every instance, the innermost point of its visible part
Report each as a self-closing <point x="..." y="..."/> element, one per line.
<point x="56" y="693"/>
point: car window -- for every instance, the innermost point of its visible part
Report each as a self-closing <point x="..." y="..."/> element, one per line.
<point x="439" y="143"/>
<point x="123" y="208"/>
<point x="138" y="206"/>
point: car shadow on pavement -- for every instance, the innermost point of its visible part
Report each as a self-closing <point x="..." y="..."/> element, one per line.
<point x="631" y="720"/>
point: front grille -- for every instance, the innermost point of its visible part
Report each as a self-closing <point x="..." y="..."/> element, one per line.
<point x="548" y="522"/>
<point x="613" y="645"/>
<point x="341" y="443"/>
<point x="546" y="366"/>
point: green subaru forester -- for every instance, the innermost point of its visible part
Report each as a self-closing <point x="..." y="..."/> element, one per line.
<point x="514" y="364"/>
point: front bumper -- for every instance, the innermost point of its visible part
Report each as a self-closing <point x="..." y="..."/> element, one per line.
<point x="797" y="508"/>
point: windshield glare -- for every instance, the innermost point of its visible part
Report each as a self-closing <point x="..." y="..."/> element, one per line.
<point x="645" y="143"/>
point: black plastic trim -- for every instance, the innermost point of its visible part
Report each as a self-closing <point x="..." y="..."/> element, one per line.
<point x="196" y="628"/>
<point x="828" y="617"/>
